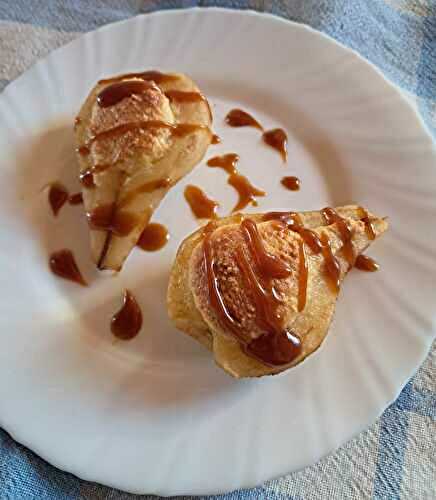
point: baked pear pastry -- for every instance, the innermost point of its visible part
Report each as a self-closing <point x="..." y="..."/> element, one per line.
<point x="136" y="136"/>
<point x="259" y="290"/>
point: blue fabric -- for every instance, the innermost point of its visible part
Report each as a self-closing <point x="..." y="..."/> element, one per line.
<point x="395" y="458"/>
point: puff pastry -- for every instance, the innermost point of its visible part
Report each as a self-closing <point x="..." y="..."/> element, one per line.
<point x="136" y="136"/>
<point x="259" y="291"/>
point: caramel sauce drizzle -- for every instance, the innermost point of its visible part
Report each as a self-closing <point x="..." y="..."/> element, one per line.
<point x="155" y="76"/>
<point x="294" y="223"/>
<point x="202" y="206"/>
<point x="57" y="197"/>
<point x="332" y="217"/>
<point x="147" y="187"/>
<point x="365" y="263"/>
<point x="63" y="264"/>
<point x="154" y="237"/>
<point x="269" y="265"/>
<point x="369" y="225"/>
<point x="127" y="322"/>
<point x="239" y="118"/>
<point x="278" y="140"/>
<point x="108" y="218"/>
<point x="316" y="244"/>
<point x="275" y="346"/>
<point x="185" y="96"/>
<point x="113" y="94"/>
<point x="188" y="97"/>
<point x="331" y="263"/>
<point x="303" y="273"/>
<point x="292" y="183"/>
<point x="215" y="298"/>
<point x="179" y="130"/>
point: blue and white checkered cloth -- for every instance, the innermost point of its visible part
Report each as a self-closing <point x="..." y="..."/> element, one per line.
<point x="396" y="457"/>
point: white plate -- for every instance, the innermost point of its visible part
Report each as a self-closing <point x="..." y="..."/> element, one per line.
<point x="155" y="415"/>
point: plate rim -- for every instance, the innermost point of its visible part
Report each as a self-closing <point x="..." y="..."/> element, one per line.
<point x="426" y="343"/>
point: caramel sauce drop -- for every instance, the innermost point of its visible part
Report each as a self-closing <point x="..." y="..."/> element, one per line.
<point x="87" y="179"/>
<point x="239" y="118"/>
<point x="83" y="150"/>
<point x="246" y="191"/>
<point x="292" y="183"/>
<point x="63" y="264"/>
<point x="148" y="187"/>
<point x="216" y="139"/>
<point x="108" y="218"/>
<point x="57" y="197"/>
<point x="127" y="322"/>
<point x="227" y="162"/>
<point x="116" y="92"/>
<point x="278" y="140"/>
<point x="154" y="237"/>
<point x="202" y="206"/>
<point x="75" y="199"/>
<point x="365" y="263"/>
<point x="155" y="76"/>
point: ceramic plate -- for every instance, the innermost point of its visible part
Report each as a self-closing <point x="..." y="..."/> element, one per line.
<point x="155" y="414"/>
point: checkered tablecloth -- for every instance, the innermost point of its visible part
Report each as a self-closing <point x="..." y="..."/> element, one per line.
<point x="396" y="457"/>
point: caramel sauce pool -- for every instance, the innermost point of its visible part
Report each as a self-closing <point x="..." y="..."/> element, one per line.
<point x="127" y="322"/>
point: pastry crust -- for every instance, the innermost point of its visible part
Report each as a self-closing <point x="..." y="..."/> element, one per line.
<point x="123" y="161"/>
<point x="188" y="302"/>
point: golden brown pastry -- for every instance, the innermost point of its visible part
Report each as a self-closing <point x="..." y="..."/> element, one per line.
<point x="259" y="291"/>
<point x="136" y="136"/>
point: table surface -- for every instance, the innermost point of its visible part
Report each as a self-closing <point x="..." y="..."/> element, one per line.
<point x="394" y="458"/>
